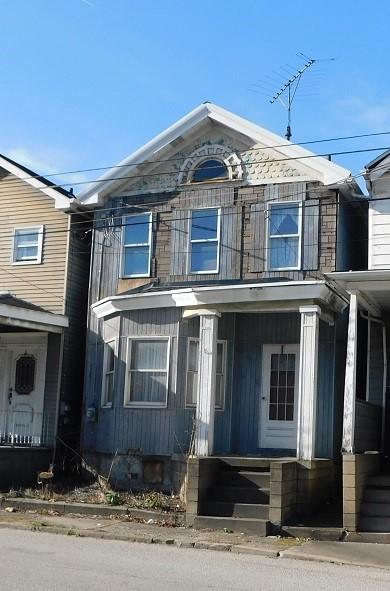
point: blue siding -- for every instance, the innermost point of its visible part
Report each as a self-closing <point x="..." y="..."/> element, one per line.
<point x="325" y="393"/>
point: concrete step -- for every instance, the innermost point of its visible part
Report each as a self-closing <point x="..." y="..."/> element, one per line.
<point x="246" y="479"/>
<point x="238" y="494"/>
<point x="254" y="464"/>
<point x="374" y="524"/>
<point x="257" y="527"/>
<point x="376" y="495"/>
<point x="379" y="481"/>
<point x="245" y="510"/>
<point x="375" y="510"/>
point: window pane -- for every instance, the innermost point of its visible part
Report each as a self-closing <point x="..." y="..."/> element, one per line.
<point x="26" y="253"/>
<point x="110" y="356"/>
<point x="209" y="169"/>
<point x="149" y="354"/>
<point x="193" y="353"/>
<point x="136" y="260"/>
<point x="283" y="219"/>
<point x="148" y="386"/>
<point x="204" y="224"/>
<point x="192" y="387"/>
<point x="136" y="229"/>
<point x="283" y="252"/>
<point x="219" y="391"/>
<point x="220" y="348"/>
<point x="204" y="256"/>
<point x="28" y="236"/>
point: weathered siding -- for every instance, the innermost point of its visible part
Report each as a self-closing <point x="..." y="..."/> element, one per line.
<point x="52" y="380"/>
<point x="367" y="427"/>
<point x="42" y="284"/>
<point x="325" y="391"/>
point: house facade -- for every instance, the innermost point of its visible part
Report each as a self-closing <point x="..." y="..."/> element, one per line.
<point x="44" y="262"/>
<point x="216" y="345"/>
<point x="366" y="424"/>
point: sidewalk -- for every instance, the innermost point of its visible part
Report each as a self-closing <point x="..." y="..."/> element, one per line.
<point x="127" y="529"/>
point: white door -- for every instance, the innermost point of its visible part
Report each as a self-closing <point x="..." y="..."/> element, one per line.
<point x="25" y="386"/>
<point x="279" y="397"/>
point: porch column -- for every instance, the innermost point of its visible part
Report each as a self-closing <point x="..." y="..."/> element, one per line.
<point x="307" y="396"/>
<point x="205" y="402"/>
<point x="350" y="377"/>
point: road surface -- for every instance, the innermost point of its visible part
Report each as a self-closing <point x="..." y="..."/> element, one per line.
<point x="33" y="561"/>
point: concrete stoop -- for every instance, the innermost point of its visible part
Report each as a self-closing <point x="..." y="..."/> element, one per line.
<point x="375" y="508"/>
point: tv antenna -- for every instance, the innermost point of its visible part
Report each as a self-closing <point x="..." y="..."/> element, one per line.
<point x="287" y="91"/>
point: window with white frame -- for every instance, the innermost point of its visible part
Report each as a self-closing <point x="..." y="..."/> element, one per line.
<point x="284" y="235"/>
<point x="136" y="245"/>
<point x="27" y="245"/>
<point x="147" y="371"/>
<point x="204" y="241"/>
<point x="193" y="371"/>
<point x="108" y="384"/>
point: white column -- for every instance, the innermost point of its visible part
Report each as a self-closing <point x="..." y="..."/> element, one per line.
<point x="350" y="377"/>
<point x="205" y="403"/>
<point x="307" y="394"/>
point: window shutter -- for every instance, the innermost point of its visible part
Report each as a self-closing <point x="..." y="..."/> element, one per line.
<point x="179" y="241"/>
<point x="257" y="253"/>
<point x="230" y="247"/>
<point x="311" y="214"/>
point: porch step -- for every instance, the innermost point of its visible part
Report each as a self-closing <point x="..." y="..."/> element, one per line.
<point x="375" y="510"/>
<point x="253" y="464"/>
<point x="246" y="479"/>
<point x="239" y="494"/>
<point x="374" y="524"/>
<point x="376" y="495"/>
<point x="244" y="510"/>
<point x="258" y="527"/>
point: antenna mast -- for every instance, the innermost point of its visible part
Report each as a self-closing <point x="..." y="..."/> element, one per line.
<point x="286" y="93"/>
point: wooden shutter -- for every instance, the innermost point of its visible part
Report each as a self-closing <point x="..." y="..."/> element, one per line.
<point x="230" y="246"/>
<point x="179" y="241"/>
<point x="310" y="238"/>
<point x="257" y="252"/>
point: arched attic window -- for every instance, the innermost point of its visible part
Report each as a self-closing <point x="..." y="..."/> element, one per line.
<point x="210" y="170"/>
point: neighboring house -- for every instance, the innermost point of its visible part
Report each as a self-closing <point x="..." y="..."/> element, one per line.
<point x="44" y="265"/>
<point x="366" y="431"/>
<point x="212" y="330"/>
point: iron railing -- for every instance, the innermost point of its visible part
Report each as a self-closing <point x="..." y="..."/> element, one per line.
<point x="26" y="428"/>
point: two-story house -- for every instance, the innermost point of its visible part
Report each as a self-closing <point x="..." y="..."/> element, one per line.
<point x="366" y="424"/>
<point x="213" y="333"/>
<point x="44" y="264"/>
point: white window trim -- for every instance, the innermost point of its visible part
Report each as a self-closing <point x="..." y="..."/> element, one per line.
<point x="14" y="250"/>
<point x="224" y="367"/>
<point x="198" y="241"/>
<point x="133" y="245"/>
<point x="103" y="402"/>
<point x="127" y="403"/>
<point x="280" y="236"/>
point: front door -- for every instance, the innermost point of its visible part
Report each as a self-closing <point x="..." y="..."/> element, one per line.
<point x="23" y="383"/>
<point x="279" y="397"/>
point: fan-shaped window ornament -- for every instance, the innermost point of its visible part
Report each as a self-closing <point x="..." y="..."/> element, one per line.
<point x="210" y="170"/>
<point x="25" y="374"/>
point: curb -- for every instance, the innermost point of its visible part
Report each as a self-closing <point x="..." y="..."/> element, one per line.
<point x="88" y="509"/>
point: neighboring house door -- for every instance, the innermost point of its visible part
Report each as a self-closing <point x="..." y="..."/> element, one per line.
<point x="279" y="397"/>
<point x="23" y="384"/>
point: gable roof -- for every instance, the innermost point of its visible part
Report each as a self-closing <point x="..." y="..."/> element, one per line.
<point x="324" y="170"/>
<point x="377" y="168"/>
<point x="63" y="199"/>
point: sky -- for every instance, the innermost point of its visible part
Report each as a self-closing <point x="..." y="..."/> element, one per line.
<point x="86" y="82"/>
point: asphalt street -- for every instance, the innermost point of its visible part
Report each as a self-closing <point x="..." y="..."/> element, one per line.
<point x="35" y="561"/>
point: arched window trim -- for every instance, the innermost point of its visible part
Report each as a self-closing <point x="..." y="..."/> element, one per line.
<point x="211" y="179"/>
<point x="211" y="152"/>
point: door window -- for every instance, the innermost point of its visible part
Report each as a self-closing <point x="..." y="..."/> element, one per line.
<point x="25" y="374"/>
<point x="281" y="387"/>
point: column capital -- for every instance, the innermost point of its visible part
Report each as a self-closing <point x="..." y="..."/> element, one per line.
<point x="191" y="313"/>
<point x="310" y="308"/>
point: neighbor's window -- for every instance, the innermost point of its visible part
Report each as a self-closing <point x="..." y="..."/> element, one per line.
<point x="27" y="246"/>
<point x="193" y="368"/>
<point x="210" y="170"/>
<point x="108" y="372"/>
<point x="284" y="236"/>
<point x="136" y="245"/>
<point x="204" y="241"/>
<point x="147" y="372"/>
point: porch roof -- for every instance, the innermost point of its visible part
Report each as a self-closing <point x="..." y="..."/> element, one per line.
<point x="18" y="313"/>
<point x="373" y="287"/>
<point x="260" y="296"/>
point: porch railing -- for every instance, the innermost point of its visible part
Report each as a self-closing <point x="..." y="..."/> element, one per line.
<point x="26" y="428"/>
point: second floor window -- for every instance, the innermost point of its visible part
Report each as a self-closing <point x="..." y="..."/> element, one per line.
<point x="136" y="245"/>
<point x="284" y="235"/>
<point x="204" y="241"/>
<point x="27" y="245"/>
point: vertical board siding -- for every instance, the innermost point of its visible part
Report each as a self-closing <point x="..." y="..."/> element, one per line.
<point x="257" y="252"/>
<point x="310" y="236"/>
<point x="52" y="378"/>
<point x="230" y="246"/>
<point x="179" y="241"/>
<point x="325" y="392"/>
<point x="375" y="384"/>
<point x="367" y="427"/>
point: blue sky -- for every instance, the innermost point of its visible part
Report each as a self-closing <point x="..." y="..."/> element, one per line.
<point x="85" y="82"/>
